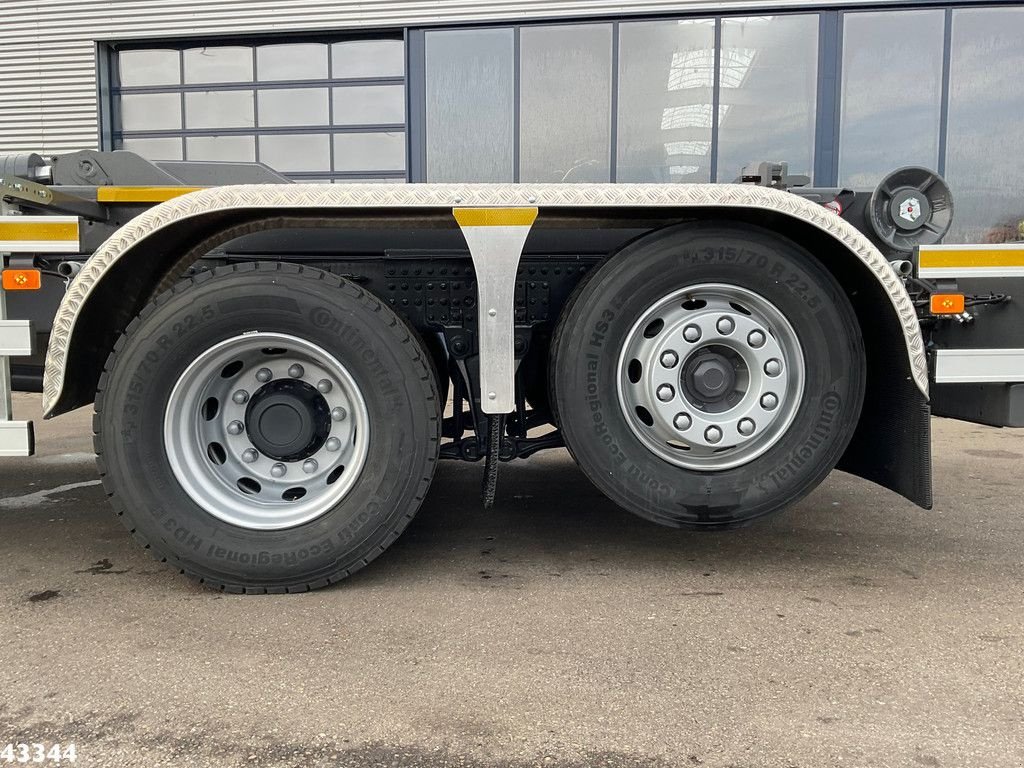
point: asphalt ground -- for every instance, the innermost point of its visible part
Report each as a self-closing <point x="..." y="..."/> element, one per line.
<point x="555" y="630"/>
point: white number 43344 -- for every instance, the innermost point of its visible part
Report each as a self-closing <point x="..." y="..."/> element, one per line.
<point x="37" y="753"/>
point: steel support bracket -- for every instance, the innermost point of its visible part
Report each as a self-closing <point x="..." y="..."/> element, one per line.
<point x="496" y="237"/>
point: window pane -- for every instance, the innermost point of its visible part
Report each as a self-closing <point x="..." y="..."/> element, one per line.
<point x="565" y="112"/>
<point x="769" y="89"/>
<point x="368" y="58"/>
<point x="154" y="149"/>
<point x="149" y="67"/>
<point x="369" y="151"/>
<point x="369" y="105"/>
<point x="984" y="162"/>
<point x="469" y="102"/>
<point x="218" y="65"/>
<point x="305" y="61"/>
<point x="293" y="106"/>
<point x="150" y="112"/>
<point x="889" y="119"/>
<point x="219" y="109"/>
<point x="231" y="148"/>
<point x="296" y="152"/>
<point x="664" y="65"/>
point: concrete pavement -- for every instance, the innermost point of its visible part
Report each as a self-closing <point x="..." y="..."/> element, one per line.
<point x="555" y="630"/>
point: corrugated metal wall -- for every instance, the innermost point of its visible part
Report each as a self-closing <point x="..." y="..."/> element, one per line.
<point x="47" y="47"/>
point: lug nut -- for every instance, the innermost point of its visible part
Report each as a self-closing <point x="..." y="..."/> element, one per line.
<point x="769" y="401"/>
<point x="295" y="371"/>
<point x="665" y="393"/>
<point x="278" y="470"/>
<point x="691" y="333"/>
<point x="773" y="367"/>
<point x="249" y="455"/>
<point x="324" y="386"/>
<point x="309" y="466"/>
<point x="712" y="434"/>
<point x="339" y="413"/>
<point x="669" y="359"/>
<point x="725" y="325"/>
<point x="235" y="428"/>
<point x="241" y="397"/>
<point x="263" y="375"/>
<point x="746" y="427"/>
<point x="333" y="444"/>
<point x="682" y="421"/>
<point x="755" y="339"/>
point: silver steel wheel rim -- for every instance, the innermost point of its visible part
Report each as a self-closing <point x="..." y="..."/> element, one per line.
<point x="685" y="344"/>
<point x="237" y="483"/>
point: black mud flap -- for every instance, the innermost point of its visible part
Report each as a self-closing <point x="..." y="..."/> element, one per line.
<point x="892" y="444"/>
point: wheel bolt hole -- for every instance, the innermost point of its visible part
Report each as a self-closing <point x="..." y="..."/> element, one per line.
<point x="644" y="415"/>
<point x="653" y="328"/>
<point x="635" y="371"/>
<point x="231" y="369"/>
<point x="210" y="408"/>
<point x="216" y="453"/>
<point x="249" y="486"/>
<point x="293" y="494"/>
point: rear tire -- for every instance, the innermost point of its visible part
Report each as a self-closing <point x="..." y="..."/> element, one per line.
<point x="708" y="375"/>
<point x="221" y="457"/>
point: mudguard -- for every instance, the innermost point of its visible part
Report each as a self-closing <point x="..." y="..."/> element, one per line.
<point x="148" y="232"/>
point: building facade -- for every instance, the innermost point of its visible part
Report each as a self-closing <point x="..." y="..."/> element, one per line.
<point x="489" y="90"/>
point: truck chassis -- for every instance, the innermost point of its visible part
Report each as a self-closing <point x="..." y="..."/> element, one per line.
<point x="270" y="364"/>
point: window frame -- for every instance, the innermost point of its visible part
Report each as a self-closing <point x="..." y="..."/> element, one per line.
<point x="112" y="135"/>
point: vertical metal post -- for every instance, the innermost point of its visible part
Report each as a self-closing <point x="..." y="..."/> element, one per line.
<point x="947" y="55"/>
<point x="829" y="99"/>
<point x="716" y="81"/>
<point x="496" y="237"/>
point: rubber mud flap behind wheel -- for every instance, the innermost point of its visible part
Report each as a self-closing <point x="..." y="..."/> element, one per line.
<point x="267" y="427"/>
<point x="708" y="374"/>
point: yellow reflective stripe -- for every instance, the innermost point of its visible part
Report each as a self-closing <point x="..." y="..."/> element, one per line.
<point x="972" y="257"/>
<point x="39" y="229"/>
<point x="495" y="217"/>
<point x="140" y="194"/>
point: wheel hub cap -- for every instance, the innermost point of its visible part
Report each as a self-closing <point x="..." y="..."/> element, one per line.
<point x="288" y="420"/>
<point x="710" y="377"/>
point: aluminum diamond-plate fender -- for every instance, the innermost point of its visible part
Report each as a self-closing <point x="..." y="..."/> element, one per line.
<point x="382" y="200"/>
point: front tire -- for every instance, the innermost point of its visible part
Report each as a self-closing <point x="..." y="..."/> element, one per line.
<point x="708" y="375"/>
<point x="267" y="427"/>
